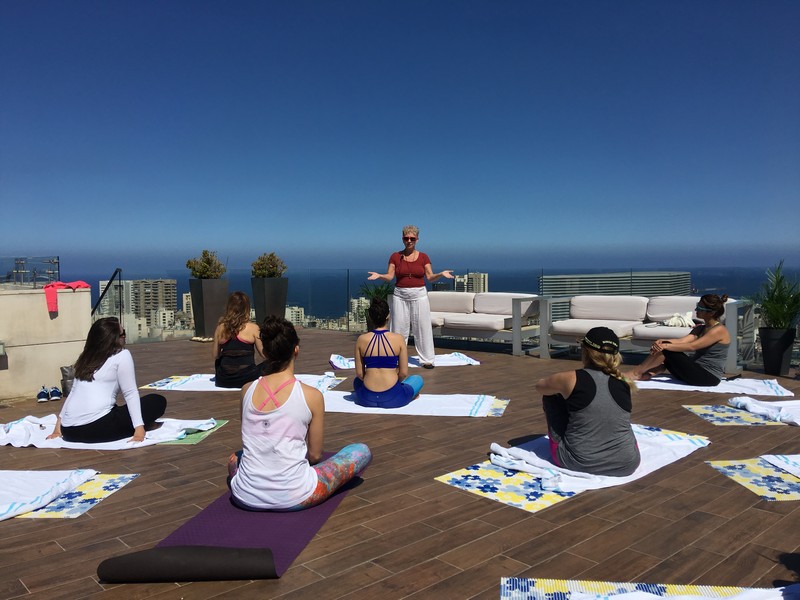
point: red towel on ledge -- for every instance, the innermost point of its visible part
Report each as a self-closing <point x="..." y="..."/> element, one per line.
<point x="51" y="292"/>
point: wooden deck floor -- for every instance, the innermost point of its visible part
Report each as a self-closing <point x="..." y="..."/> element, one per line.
<point x="401" y="534"/>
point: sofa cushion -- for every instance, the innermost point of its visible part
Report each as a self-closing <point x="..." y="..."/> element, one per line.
<point x="661" y="308"/>
<point x="653" y="331"/>
<point x="437" y="319"/>
<point x="454" y="302"/>
<point x="499" y="303"/>
<point x="578" y="327"/>
<point x="477" y="321"/>
<point x="616" y="308"/>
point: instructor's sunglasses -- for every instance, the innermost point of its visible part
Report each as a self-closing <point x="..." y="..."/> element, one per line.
<point x="409" y="238"/>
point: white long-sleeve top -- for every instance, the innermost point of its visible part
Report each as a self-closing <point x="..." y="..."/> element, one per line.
<point x="91" y="400"/>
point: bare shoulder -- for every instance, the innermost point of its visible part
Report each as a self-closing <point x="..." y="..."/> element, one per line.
<point x="312" y="395"/>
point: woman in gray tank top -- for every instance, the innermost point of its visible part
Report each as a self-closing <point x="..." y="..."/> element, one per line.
<point x="589" y="411"/>
<point x="707" y="345"/>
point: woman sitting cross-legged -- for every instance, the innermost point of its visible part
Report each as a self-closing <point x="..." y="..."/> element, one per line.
<point x="90" y="413"/>
<point x="382" y="365"/>
<point x="708" y="344"/>
<point x="588" y="411"/>
<point x="280" y="466"/>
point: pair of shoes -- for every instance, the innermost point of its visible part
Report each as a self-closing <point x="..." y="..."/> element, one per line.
<point x="45" y="395"/>
<point x="427" y="365"/>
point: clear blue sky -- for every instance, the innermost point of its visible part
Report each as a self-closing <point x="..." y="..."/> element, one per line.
<point x="591" y="133"/>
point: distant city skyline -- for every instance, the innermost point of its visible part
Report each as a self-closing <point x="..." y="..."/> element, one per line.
<point x="572" y="134"/>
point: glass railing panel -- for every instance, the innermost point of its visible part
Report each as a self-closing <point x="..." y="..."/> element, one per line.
<point x="28" y="272"/>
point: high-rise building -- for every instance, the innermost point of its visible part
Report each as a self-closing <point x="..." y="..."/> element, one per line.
<point x="472" y="282"/>
<point x="187" y="305"/>
<point x="296" y="314"/>
<point x="142" y="297"/>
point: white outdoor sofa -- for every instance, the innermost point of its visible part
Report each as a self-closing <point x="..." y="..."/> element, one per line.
<point x="485" y="315"/>
<point x="636" y="320"/>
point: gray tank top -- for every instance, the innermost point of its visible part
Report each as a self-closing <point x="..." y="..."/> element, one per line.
<point x="599" y="438"/>
<point x="713" y="358"/>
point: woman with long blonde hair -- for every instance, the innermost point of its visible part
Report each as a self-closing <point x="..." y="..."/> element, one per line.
<point x="236" y="339"/>
<point x="588" y="411"/>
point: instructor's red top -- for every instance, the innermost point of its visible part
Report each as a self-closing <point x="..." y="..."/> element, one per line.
<point x="409" y="274"/>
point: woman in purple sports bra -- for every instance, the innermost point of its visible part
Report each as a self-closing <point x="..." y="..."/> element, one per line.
<point x="280" y="466"/>
<point x="382" y="365"/>
<point x="236" y="340"/>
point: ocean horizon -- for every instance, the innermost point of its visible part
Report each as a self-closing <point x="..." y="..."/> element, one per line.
<point x="325" y="293"/>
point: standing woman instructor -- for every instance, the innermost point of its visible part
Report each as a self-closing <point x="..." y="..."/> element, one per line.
<point x="411" y="310"/>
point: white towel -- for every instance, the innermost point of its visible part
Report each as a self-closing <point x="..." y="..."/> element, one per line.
<point x="437" y="405"/>
<point x="757" y="387"/>
<point x="25" y="491"/>
<point x="33" y="431"/>
<point x="657" y="448"/>
<point x="199" y="382"/>
<point x="454" y="359"/>
<point x="788" y="462"/>
<point x="325" y="382"/>
<point x="785" y="411"/>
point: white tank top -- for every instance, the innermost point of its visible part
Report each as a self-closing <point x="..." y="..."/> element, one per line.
<point x="274" y="472"/>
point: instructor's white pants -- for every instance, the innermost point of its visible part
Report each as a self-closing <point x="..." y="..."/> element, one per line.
<point x="411" y="313"/>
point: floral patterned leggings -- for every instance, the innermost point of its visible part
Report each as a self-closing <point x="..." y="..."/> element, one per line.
<point x="332" y="473"/>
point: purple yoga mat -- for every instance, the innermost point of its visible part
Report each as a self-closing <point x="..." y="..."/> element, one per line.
<point x="221" y="524"/>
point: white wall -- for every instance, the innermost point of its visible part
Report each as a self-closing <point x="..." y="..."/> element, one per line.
<point x="38" y="343"/>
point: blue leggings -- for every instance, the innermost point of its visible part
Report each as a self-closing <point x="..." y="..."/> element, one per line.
<point x="396" y="396"/>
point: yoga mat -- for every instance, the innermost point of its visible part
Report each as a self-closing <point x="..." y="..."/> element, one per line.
<point x="433" y="405"/>
<point x="760" y="477"/>
<point x="546" y="484"/>
<point x="195" y="437"/>
<point x="25" y="491"/>
<point x="756" y="387"/>
<point x="454" y="359"/>
<point x="520" y="588"/>
<point x="720" y="414"/>
<point x="223" y="542"/>
<point x="75" y="503"/>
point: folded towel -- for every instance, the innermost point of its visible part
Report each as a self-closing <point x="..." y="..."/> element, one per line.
<point x="785" y="411"/>
<point x="25" y="491"/>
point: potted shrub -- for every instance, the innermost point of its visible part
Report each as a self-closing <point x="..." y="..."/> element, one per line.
<point x="270" y="287"/>
<point x="209" y="292"/>
<point x="780" y="308"/>
<point x="370" y="291"/>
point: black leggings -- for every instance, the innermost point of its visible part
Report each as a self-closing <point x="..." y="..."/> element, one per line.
<point x="117" y="424"/>
<point x="688" y="371"/>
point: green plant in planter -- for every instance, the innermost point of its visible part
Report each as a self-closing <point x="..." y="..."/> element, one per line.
<point x="779" y="299"/>
<point x="268" y="265"/>
<point x="206" y="266"/>
<point x="381" y="290"/>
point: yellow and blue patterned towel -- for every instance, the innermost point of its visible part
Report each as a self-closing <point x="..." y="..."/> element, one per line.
<point x="85" y="496"/>
<point x="519" y="588"/>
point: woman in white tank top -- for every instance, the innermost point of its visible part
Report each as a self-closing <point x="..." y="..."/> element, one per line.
<point x="280" y="466"/>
